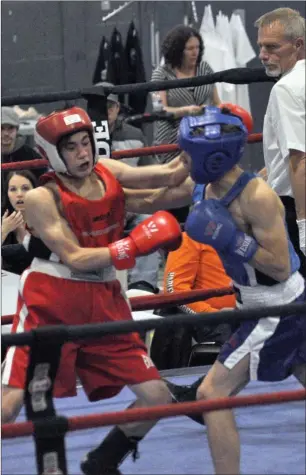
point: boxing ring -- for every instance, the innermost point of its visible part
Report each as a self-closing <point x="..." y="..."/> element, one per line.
<point x="272" y="437"/>
<point x="270" y="416"/>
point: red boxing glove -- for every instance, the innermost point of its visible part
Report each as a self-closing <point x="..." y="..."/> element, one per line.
<point x="159" y="231"/>
<point x="243" y="114"/>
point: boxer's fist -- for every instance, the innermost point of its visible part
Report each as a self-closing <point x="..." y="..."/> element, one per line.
<point x="211" y="223"/>
<point x="243" y="114"/>
<point x="159" y="231"/>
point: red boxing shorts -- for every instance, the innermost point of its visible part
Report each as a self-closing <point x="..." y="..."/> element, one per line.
<point x="103" y="366"/>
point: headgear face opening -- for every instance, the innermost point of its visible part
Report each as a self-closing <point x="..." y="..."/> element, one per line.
<point x="50" y="129"/>
<point x="215" y="142"/>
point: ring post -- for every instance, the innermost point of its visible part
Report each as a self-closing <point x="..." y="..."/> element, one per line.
<point x="49" y="429"/>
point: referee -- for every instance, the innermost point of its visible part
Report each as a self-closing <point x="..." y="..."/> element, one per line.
<point x="281" y="40"/>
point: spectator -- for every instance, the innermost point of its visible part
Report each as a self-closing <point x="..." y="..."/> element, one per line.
<point x="198" y="266"/>
<point x="123" y="137"/>
<point x="13" y="146"/>
<point x="13" y="228"/>
<point x="182" y="50"/>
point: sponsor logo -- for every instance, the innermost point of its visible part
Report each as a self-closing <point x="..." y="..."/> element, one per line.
<point x="212" y="229"/>
<point x="147" y="361"/>
<point x="233" y="341"/>
<point x="170" y="281"/>
<point x="72" y="119"/>
<point x="39" y="386"/>
<point x="50" y="464"/>
<point x="104" y="216"/>
<point x="123" y="250"/>
<point x="99" y="218"/>
<point x="150" y="229"/>
<point x="243" y="245"/>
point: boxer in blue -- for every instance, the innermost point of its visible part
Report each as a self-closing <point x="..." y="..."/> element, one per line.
<point x="243" y="219"/>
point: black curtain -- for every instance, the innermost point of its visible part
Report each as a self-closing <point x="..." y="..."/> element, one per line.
<point x="100" y="72"/>
<point x="135" y="69"/>
<point x="117" y="67"/>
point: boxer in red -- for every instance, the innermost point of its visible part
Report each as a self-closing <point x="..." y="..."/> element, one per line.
<point x="78" y="213"/>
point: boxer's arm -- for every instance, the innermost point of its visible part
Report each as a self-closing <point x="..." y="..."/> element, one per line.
<point x="150" y="200"/>
<point x="268" y="228"/>
<point x="43" y="216"/>
<point x="151" y="176"/>
<point x="297" y="170"/>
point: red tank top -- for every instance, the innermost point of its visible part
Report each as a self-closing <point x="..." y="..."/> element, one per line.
<point x="95" y="223"/>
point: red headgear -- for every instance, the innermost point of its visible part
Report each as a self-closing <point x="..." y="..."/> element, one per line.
<point x="50" y="129"/>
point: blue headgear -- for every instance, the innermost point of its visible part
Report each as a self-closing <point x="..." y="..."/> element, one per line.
<point x="213" y="150"/>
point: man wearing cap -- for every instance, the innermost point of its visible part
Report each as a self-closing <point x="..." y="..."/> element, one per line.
<point x="13" y="146"/>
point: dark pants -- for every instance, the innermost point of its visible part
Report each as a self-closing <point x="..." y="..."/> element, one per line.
<point x="293" y="230"/>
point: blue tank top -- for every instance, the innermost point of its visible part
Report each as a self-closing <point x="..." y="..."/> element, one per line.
<point x="242" y="273"/>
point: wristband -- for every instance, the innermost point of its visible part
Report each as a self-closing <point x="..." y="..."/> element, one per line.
<point x="302" y="231"/>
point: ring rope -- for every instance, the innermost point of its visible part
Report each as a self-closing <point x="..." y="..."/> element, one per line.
<point x="134" y="152"/>
<point x="153" y="302"/>
<point x="232" y="76"/>
<point x="75" y="332"/>
<point x="7" y="319"/>
<point x="23" y="429"/>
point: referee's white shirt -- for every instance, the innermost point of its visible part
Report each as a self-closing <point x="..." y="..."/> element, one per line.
<point x="284" y="127"/>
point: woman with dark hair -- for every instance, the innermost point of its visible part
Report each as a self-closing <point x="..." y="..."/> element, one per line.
<point x="182" y="50"/>
<point x="13" y="227"/>
<point x="17" y="184"/>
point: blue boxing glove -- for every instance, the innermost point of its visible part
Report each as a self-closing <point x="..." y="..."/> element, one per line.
<point x="209" y="222"/>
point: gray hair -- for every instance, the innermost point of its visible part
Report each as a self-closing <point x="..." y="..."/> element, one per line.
<point x="291" y="20"/>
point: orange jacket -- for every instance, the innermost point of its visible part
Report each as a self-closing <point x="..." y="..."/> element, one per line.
<point x="197" y="266"/>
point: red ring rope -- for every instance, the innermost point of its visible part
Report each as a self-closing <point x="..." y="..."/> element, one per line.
<point x="134" y="152"/>
<point x="22" y="429"/>
<point x="151" y="302"/>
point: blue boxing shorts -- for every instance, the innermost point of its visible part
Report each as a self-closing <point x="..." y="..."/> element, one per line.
<point x="275" y="345"/>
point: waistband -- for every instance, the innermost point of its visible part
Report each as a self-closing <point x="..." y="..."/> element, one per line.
<point x="63" y="272"/>
<point x="264" y="296"/>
